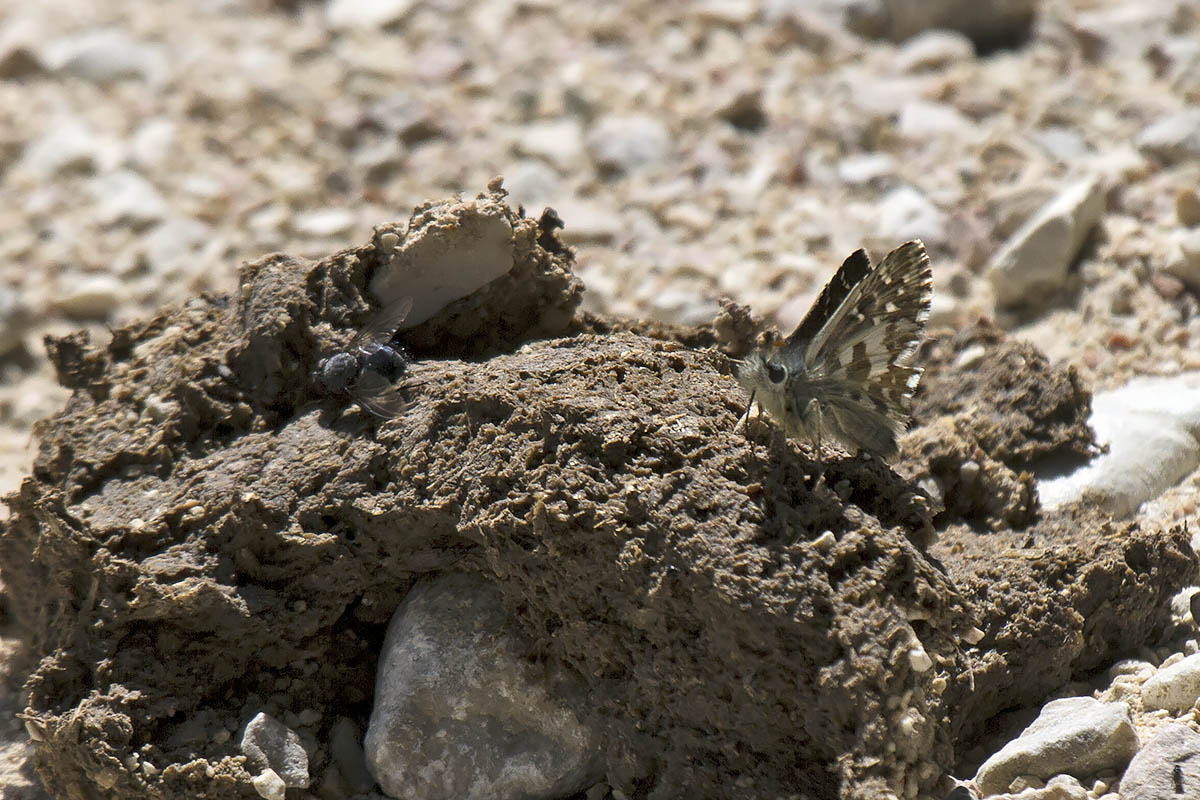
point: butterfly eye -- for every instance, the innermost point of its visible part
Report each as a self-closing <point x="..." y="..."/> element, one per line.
<point x="776" y="373"/>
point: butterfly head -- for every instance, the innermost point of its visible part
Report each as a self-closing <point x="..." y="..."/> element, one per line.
<point x="767" y="372"/>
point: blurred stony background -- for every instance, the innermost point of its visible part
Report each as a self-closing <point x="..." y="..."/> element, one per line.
<point x="1047" y="156"/>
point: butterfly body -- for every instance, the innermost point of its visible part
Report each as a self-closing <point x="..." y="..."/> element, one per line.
<point x="844" y="373"/>
<point x="368" y="368"/>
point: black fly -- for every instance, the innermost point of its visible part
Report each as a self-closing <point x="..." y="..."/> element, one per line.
<point x="368" y="369"/>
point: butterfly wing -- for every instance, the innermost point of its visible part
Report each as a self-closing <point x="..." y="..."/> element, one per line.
<point x="857" y="350"/>
<point x="853" y="270"/>
<point x="381" y="327"/>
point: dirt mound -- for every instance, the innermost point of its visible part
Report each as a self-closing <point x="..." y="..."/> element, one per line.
<point x="205" y="537"/>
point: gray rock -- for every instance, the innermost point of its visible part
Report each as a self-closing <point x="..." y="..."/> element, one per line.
<point x="269" y="744"/>
<point x="1035" y="260"/>
<point x="173" y="246"/>
<point x="19" y="57"/>
<point x="14" y="319"/>
<point x="624" y="144"/>
<point x="1173" y="138"/>
<point x="1077" y="735"/>
<point x="108" y="55"/>
<point x="905" y="213"/>
<point x="365" y="14"/>
<point x="1166" y="768"/>
<point x="410" y="119"/>
<point x="1151" y="427"/>
<point x="984" y="21"/>
<point x="1174" y="688"/>
<point x="459" y="714"/>
<point x="125" y="197"/>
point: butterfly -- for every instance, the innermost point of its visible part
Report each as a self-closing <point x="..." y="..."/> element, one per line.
<point x="367" y="370"/>
<point x="845" y="371"/>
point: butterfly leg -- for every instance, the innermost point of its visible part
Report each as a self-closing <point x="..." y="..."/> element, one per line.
<point x="813" y="418"/>
<point x="746" y="416"/>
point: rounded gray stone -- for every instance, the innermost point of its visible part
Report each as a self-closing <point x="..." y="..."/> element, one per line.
<point x="1074" y="735"/>
<point x="1166" y="768"/>
<point x="269" y="743"/>
<point x="458" y="714"/>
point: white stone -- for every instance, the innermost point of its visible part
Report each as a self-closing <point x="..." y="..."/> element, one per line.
<point x="559" y="142"/>
<point x="125" y="197"/>
<point x="91" y="296"/>
<point x="625" y="144"/>
<point x="864" y="168"/>
<point x="269" y="785"/>
<point x="1077" y="735"/>
<point x="324" y="222"/>
<point x="107" y="55"/>
<point x="1174" y="138"/>
<point x="1151" y="426"/>
<point x="365" y="14"/>
<point x="67" y="145"/>
<point x="1035" y="260"/>
<point x="1185" y="261"/>
<point x="934" y="49"/>
<point x="534" y="184"/>
<point x="153" y="142"/>
<point x="267" y="742"/>
<point x="458" y="713"/>
<point x="1174" y="688"/>
<point x="588" y="223"/>
<point x="921" y="119"/>
<point x="905" y="213"/>
<point x="345" y="749"/>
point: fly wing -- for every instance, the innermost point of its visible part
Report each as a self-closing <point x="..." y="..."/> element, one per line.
<point x="866" y="344"/>
<point x="378" y="395"/>
<point x="381" y="327"/>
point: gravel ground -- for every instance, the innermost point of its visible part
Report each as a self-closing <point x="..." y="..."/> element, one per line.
<point x="741" y="149"/>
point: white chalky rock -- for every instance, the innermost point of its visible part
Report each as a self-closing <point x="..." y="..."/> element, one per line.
<point x="1037" y="257"/>
<point x="1151" y="426"/>
<point x="1174" y="688"/>
<point x="1076" y="735"/>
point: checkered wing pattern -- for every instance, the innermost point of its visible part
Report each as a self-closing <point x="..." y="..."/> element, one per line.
<point x="857" y="350"/>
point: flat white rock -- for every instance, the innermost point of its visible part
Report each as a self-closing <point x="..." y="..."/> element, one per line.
<point x="1037" y="257"/>
<point x="1151" y="426"/>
